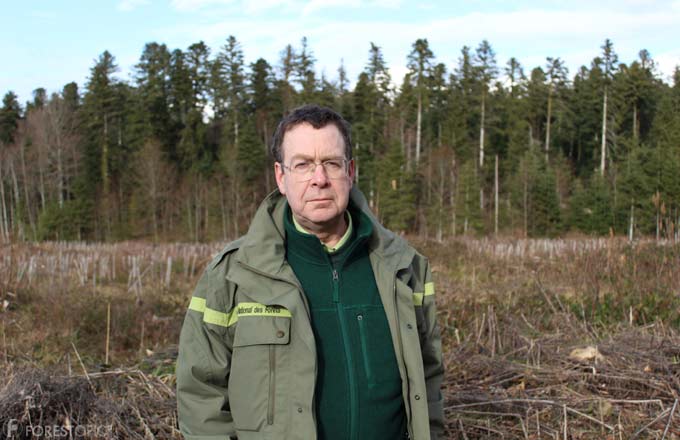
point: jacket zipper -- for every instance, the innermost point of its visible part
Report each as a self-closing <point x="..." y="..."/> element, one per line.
<point x="272" y="384"/>
<point x="348" y="356"/>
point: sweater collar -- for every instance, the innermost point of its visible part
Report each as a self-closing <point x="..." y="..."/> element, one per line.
<point x="345" y="237"/>
<point x="263" y="247"/>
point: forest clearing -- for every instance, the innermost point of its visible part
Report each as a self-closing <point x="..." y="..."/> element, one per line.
<point x="543" y="339"/>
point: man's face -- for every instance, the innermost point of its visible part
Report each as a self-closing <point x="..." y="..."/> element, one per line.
<point x="319" y="203"/>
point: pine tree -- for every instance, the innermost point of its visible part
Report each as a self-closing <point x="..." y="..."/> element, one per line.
<point x="468" y="213"/>
<point x="152" y="77"/>
<point x="609" y="60"/>
<point x="556" y="74"/>
<point x="304" y="73"/>
<point x="10" y="114"/>
<point x="485" y="65"/>
<point x="419" y="65"/>
<point x="396" y="192"/>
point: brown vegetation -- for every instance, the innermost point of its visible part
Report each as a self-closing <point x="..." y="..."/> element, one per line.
<point x="512" y="314"/>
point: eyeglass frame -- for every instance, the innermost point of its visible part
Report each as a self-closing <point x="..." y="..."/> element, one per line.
<point x="345" y="163"/>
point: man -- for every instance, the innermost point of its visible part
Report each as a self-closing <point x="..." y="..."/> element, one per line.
<point x="317" y="324"/>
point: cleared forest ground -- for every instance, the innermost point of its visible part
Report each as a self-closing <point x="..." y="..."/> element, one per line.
<point x="543" y="339"/>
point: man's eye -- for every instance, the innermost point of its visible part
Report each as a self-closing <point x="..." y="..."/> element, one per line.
<point x="333" y="164"/>
<point x="301" y="166"/>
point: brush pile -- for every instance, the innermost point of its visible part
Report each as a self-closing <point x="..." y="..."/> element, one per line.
<point x="121" y="404"/>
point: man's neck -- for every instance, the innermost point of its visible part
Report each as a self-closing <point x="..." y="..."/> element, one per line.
<point x="328" y="236"/>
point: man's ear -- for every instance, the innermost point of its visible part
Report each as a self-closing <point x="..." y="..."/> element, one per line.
<point x="351" y="171"/>
<point x="279" y="174"/>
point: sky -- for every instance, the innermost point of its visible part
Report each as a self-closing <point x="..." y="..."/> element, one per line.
<point x="47" y="43"/>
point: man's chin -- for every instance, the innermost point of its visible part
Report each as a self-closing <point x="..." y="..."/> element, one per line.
<point x="322" y="218"/>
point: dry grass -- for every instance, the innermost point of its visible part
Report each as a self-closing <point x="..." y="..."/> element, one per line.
<point x="511" y="320"/>
<point x="511" y="313"/>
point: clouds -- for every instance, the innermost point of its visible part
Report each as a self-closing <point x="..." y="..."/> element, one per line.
<point x="130" y="5"/>
<point x="525" y="29"/>
<point x="529" y="34"/>
<point x="194" y="5"/>
<point x="305" y="7"/>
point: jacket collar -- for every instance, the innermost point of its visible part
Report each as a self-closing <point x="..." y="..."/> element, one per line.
<point x="263" y="248"/>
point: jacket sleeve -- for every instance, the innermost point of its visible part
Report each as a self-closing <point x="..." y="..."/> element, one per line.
<point x="204" y="361"/>
<point x="431" y="346"/>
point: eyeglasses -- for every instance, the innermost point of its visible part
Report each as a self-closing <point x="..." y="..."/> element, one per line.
<point x="303" y="170"/>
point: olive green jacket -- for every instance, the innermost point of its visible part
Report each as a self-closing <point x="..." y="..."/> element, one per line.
<point x="247" y="356"/>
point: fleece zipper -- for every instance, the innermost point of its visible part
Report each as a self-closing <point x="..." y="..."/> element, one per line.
<point x="353" y="399"/>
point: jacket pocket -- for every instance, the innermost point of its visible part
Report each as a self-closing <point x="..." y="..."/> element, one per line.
<point x="377" y="350"/>
<point x="252" y="380"/>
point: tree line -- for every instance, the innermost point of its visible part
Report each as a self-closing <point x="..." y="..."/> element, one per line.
<point x="180" y="152"/>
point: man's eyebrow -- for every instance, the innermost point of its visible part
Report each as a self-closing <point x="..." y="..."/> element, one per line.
<point x="311" y="158"/>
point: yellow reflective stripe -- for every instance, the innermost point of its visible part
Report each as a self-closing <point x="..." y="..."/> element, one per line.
<point x="418" y="297"/>
<point x="219" y="318"/>
<point x="257" y="309"/>
<point x="216" y="317"/>
<point x="197" y="304"/>
<point x="429" y="289"/>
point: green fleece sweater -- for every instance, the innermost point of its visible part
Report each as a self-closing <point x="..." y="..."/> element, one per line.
<point x="358" y="392"/>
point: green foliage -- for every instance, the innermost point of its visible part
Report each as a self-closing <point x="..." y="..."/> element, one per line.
<point x="9" y="117"/>
<point x="467" y="208"/>
<point x="251" y="154"/>
<point x="590" y="210"/>
<point x="396" y="191"/>
<point x="60" y="222"/>
<point x="534" y="196"/>
<point x="417" y="147"/>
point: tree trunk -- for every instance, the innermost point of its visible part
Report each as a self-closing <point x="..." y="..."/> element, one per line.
<point x="495" y="228"/>
<point x="17" y="209"/>
<point x="418" y="127"/>
<point x="547" y="124"/>
<point x="4" y="227"/>
<point x="267" y="171"/>
<point x="631" y="221"/>
<point x="31" y="220"/>
<point x="526" y="204"/>
<point x="235" y="132"/>
<point x="60" y="178"/>
<point x="429" y="181"/>
<point x="452" y="197"/>
<point x="440" y="213"/>
<point x="481" y="132"/>
<point x="224" y="211"/>
<point x="439" y="134"/>
<point x="206" y="211"/>
<point x="197" y="209"/>
<point x="41" y="190"/>
<point x="603" y="154"/>
<point x="236" y="206"/>
<point x="408" y="152"/>
<point x="401" y="134"/>
<point x="467" y="204"/>
<point x="105" y="157"/>
<point x="189" y="214"/>
<point x="635" y="122"/>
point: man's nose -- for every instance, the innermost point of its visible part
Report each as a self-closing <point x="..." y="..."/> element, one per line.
<point x="320" y="177"/>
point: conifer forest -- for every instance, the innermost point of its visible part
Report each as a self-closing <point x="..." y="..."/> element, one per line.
<point x="474" y="146"/>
